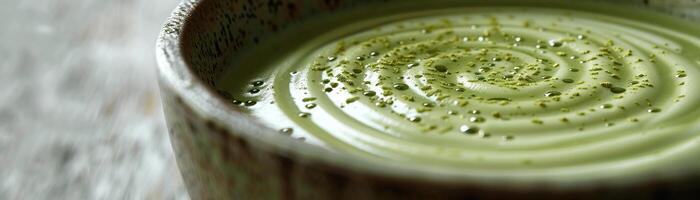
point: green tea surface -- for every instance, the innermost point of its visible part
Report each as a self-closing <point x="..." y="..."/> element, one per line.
<point x="557" y="92"/>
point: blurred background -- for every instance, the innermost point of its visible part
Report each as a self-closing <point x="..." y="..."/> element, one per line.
<point x="80" y="114"/>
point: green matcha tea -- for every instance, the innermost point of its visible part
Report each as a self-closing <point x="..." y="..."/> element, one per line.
<point x="569" y="92"/>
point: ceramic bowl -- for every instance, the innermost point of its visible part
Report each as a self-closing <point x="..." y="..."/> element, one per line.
<point x="225" y="154"/>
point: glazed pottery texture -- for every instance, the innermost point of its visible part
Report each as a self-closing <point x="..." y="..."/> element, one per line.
<point x="225" y="154"/>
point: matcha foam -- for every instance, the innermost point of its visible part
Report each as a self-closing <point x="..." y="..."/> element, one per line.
<point x="551" y="91"/>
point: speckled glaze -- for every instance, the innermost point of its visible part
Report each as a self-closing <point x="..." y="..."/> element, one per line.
<point x="224" y="154"/>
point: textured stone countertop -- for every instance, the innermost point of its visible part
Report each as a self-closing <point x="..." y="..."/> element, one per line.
<point x="80" y="114"/>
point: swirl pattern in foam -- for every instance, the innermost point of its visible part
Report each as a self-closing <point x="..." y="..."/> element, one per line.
<point x="488" y="90"/>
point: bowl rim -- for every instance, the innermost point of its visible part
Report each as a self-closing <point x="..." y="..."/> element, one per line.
<point x="175" y="72"/>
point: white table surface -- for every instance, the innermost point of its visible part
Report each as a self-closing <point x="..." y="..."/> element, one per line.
<point x="80" y="114"/>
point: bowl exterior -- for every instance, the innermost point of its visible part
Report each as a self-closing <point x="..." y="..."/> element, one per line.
<point x="221" y="157"/>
